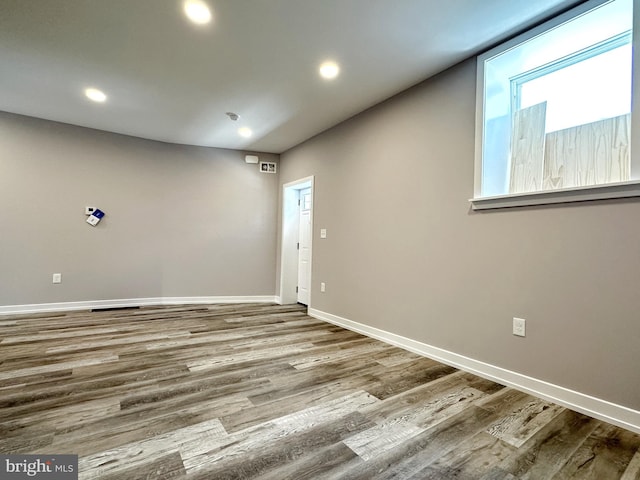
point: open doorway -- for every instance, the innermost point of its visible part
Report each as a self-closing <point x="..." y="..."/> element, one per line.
<point x="296" y="249"/>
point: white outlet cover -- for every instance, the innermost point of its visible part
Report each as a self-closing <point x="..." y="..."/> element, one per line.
<point x="323" y="233"/>
<point x="519" y="326"/>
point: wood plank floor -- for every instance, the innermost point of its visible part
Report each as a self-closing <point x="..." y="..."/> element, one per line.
<point x="265" y="391"/>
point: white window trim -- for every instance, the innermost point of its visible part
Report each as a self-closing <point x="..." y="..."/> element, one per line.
<point x="566" y="195"/>
<point x="579" y="194"/>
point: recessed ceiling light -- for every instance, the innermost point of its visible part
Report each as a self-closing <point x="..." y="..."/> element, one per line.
<point x="329" y="70"/>
<point x="197" y="11"/>
<point x="95" y="95"/>
<point x="245" y="132"/>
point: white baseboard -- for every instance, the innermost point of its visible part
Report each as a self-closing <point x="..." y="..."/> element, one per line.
<point x="131" y="302"/>
<point x="601" y="409"/>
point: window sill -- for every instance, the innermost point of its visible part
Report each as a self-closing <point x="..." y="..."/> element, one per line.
<point x="578" y="194"/>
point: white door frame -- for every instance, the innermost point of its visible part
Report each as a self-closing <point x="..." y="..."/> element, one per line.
<point x="289" y="239"/>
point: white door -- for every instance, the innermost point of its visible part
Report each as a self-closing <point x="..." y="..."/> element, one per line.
<point x="304" y="247"/>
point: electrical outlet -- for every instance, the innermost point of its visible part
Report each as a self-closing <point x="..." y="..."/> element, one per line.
<point x="57" y="278"/>
<point x="519" y="326"/>
<point x="323" y="287"/>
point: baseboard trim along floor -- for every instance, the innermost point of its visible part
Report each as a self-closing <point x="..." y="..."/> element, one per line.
<point x="601" y="409"/>
<point x="132" y="302"/>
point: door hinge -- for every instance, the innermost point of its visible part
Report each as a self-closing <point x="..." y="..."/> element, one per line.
<point x="296" y="289"/>
<point x="298" y="245"/>
<point x="298" y="202"/>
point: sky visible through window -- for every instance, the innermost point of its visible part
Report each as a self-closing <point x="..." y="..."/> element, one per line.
<point x="591" y="90"/>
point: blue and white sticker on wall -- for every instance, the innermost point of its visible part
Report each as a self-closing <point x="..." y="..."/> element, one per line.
<point x="95" y="217"/>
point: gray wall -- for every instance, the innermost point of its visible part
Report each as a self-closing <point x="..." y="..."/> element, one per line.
<point x="405" y="254"/>
<point x="180" y="221"/>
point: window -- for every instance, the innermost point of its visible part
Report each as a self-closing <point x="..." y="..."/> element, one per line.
<point x="554" y="110"/>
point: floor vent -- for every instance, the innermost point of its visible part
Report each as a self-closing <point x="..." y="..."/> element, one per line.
<point x="110" y="309"/>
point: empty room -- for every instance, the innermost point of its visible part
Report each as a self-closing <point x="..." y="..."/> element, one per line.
<point x="319" y="239"/>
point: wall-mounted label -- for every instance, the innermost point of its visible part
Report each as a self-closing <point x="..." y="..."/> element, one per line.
<point x="268" y="167"/>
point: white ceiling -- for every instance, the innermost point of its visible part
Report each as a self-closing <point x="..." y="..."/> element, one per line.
<point x="169" y="80"/>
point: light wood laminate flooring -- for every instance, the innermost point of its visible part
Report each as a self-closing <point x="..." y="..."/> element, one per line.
<point x="265" y="391"/>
